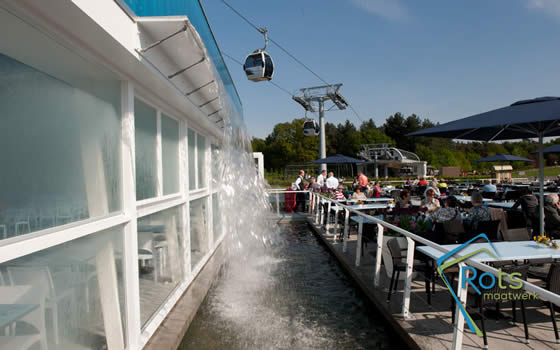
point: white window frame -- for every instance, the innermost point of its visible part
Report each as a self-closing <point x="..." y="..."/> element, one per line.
<point x="135" y="335"/>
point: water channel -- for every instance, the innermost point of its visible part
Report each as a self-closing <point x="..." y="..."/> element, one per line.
<point x="292" y="295"/>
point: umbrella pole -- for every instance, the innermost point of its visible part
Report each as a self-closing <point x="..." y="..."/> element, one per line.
<point x="541" y="185"/>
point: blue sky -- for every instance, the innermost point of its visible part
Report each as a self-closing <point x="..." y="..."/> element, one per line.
<point x="439" y="59"/>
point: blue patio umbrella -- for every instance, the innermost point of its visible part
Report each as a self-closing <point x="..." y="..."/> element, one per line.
<point x="537" y="117"/>
<point x="503" y="158"/>
<point x="338" y="159"/>
<point x="551" y="149"/>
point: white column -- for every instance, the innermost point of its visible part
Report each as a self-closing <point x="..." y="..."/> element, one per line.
<point x="159" y="157"/>
<point x="128" y="195"/>
<point x="184" y="186"/>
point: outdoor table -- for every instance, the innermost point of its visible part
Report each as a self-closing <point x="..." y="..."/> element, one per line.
<point x="506" y="251"/>
<point x="369" y="200"/>
<point x="522" y="250"/>
<point x="468" y="198"/>
<point x="10" y="313"/>
<point x="360" y="220"/>
<point x="371" y="206"/>
<point x="505" y="205"/>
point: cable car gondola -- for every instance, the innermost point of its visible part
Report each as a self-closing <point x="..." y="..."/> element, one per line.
<point x="310" y="128"/>
<point x="258" y="64"/>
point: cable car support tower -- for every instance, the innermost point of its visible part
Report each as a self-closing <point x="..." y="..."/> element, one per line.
<point x="315" y="97"/>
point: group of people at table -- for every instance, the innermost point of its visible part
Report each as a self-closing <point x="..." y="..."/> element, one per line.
<point x="438" y="205"/>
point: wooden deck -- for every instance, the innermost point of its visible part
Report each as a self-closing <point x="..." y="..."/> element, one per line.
<point x="430" y="326"/>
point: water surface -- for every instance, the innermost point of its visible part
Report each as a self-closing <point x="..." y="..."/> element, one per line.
<point x="292" y="295"/>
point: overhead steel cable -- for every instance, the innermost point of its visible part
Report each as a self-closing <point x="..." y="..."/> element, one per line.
<point x="285" y="51"/>
<point x="270" y="81"/>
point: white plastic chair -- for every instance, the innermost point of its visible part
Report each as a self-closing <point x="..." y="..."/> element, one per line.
<point x="3" y="231"/>
<point x="47" y="215"/>
<point x="25" y="294"/>
<point x="40" y="278"/>
<point x="22" y="220"/>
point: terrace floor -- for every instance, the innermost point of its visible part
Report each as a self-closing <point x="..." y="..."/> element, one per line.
<point x="430" y="326"/>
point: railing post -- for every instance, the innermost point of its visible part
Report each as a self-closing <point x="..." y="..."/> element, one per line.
<point x="322" y="214"/>
<point x="459" y="321"/>
<point x="379" y="255"/>
<point x="409" y="268"/>
<point x="337" y="208"/>
<point x="311" y="202"/>
<point x="346" y="228"/>
<point x="327" y="226"/>
<point x="317" y="209"/>
<point x="277" y="204"/>
<point x="359" y="241"/>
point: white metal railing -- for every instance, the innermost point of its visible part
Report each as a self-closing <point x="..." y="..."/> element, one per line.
<point x="317" y="212"/>
<point x="275" y="193"/>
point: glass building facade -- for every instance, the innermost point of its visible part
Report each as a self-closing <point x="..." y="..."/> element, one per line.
<point x="108" y="207"/>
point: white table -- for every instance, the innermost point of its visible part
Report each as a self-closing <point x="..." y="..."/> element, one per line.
<point x="371" y="206"/>
<point x="505" y="205"/>
<point x="369" y="200"/>
<point x="360" y="220"/>
<point x="468" y="199"/>
<point x="523" y="250"/>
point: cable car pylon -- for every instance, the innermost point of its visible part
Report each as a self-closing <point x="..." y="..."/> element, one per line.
<point x="318" y="95"/>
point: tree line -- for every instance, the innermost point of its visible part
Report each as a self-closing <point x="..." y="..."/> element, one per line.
<point x="288" y="145"/>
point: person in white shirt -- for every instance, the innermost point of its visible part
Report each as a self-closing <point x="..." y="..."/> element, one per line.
<point x="332" y="182"/>
<point x="321" y="178"/>
<point x="300" y="197"/>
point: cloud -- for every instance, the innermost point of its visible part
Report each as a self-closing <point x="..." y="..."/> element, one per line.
<point x="391" y="9"/>
<point x="551" y="7"/>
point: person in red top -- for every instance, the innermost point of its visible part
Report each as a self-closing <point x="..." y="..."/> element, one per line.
<point x="362" y="180"/>
<point x="422" y="182"/>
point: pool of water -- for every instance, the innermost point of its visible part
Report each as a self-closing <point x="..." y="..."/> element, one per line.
<point x="294" y="296"/>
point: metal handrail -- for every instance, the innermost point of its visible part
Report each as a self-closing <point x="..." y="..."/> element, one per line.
<point x="411" y="239"/>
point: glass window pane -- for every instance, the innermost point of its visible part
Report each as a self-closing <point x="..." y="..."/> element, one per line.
<point x="201" y="143"/>
<point x="192" y="161"/>
<point x="199" y="230"/>
<point x="145" y="120"/>
<point x="216" y="217"/>
<point x="81" y="280"/>
<point x="170" y="154"/>
<point x="59" y="145"/>
<point x="160" y="259"/>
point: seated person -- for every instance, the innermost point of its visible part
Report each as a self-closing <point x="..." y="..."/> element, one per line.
<point x="358" y="194"/>
<point x="430" y="202"/>
<point x="530" y="208"/>
<point x="489" y="187"/>
<point x="552" y="216"/>
<point x="450" y="211"/>
<point x="403" y="201"/>
<point x="422" y="182"/>
<point x="377" y="191"/>
<point x="338" y="193"/>
<point x="479" y="212"/>
<point x="314" y="186"/>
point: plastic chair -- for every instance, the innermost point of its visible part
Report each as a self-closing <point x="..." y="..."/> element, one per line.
<point x="522" y="269"/>
<point x="40" y="278"/>
<point x="399" y="265"/>
<point x="516" y="234"/>
<point x="35" y="319"/>
<point x="553" y="285"/>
